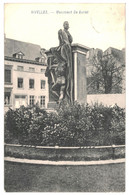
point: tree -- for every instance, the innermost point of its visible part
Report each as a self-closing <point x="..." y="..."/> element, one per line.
<point x="107" y="71"/>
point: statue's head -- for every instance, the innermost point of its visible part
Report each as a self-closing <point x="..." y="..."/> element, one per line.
<point x="66" y="25"/>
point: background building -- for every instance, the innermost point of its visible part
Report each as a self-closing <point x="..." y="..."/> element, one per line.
<point x="106" y="71"/>
<point x="24" y="82"/>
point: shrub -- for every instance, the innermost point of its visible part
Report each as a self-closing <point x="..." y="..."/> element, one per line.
<point x="70" y="125"/>
<point x="24" y="124"/>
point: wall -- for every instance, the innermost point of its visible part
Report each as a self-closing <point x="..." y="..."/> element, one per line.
<point x="107" y="99"/>
<point x="65" y="153"/>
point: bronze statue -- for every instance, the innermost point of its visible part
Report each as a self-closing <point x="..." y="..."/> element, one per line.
<point x="59" y="70"/>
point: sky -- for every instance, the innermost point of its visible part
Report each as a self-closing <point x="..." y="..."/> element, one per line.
<point x="93" y="25"/>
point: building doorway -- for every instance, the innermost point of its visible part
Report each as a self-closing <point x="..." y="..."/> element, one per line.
<point x="20" y="100"/>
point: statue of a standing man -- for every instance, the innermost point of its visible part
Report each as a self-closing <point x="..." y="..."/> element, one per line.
<point x="64" y="70"/>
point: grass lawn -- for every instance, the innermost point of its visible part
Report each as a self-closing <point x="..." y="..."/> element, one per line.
<point x="44" y="178"/>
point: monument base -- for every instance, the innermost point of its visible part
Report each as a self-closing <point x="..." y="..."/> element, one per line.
<point x="52" y="105"/>
<point x="78" y="75"/>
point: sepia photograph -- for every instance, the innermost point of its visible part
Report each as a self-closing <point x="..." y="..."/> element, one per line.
<point x="64" y="97"/>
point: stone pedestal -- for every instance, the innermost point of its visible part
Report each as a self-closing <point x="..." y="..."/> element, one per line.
<point x="79" y="74"/>
<point x="79" y="68"/>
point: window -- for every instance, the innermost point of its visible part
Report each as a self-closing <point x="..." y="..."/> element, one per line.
<point x="43" y="82"/>
<point x="42" y="70"/>
<point x="7" y="76"/>
<point x="32" y="100"/>
<point x="42" y="101"/>
<point x="18" y="55"/>
<point x="31" y="69"/>
<point x="20" y="82"/>
<point x="7" y="98"/>
<point x="31" y="83"/>
<point x="42" y="59"/>
<point x="20" y="68"/>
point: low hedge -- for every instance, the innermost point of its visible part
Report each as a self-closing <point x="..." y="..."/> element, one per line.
<point x="70" y="125"/>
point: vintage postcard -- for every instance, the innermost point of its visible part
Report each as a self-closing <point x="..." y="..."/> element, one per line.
<point x="64" y="97"/>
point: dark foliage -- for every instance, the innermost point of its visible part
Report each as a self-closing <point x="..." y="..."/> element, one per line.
<point x="70" y="125"/>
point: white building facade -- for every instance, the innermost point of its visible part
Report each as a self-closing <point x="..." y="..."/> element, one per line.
<point x="25" y="81"/>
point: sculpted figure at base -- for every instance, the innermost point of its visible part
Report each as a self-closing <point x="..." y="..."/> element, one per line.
<point x="59" y="70"/>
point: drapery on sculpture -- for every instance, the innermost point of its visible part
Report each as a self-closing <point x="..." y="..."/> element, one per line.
<point x="59" y="70"/>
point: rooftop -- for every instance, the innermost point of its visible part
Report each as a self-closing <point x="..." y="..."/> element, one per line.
<point x="30" y="51"/>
